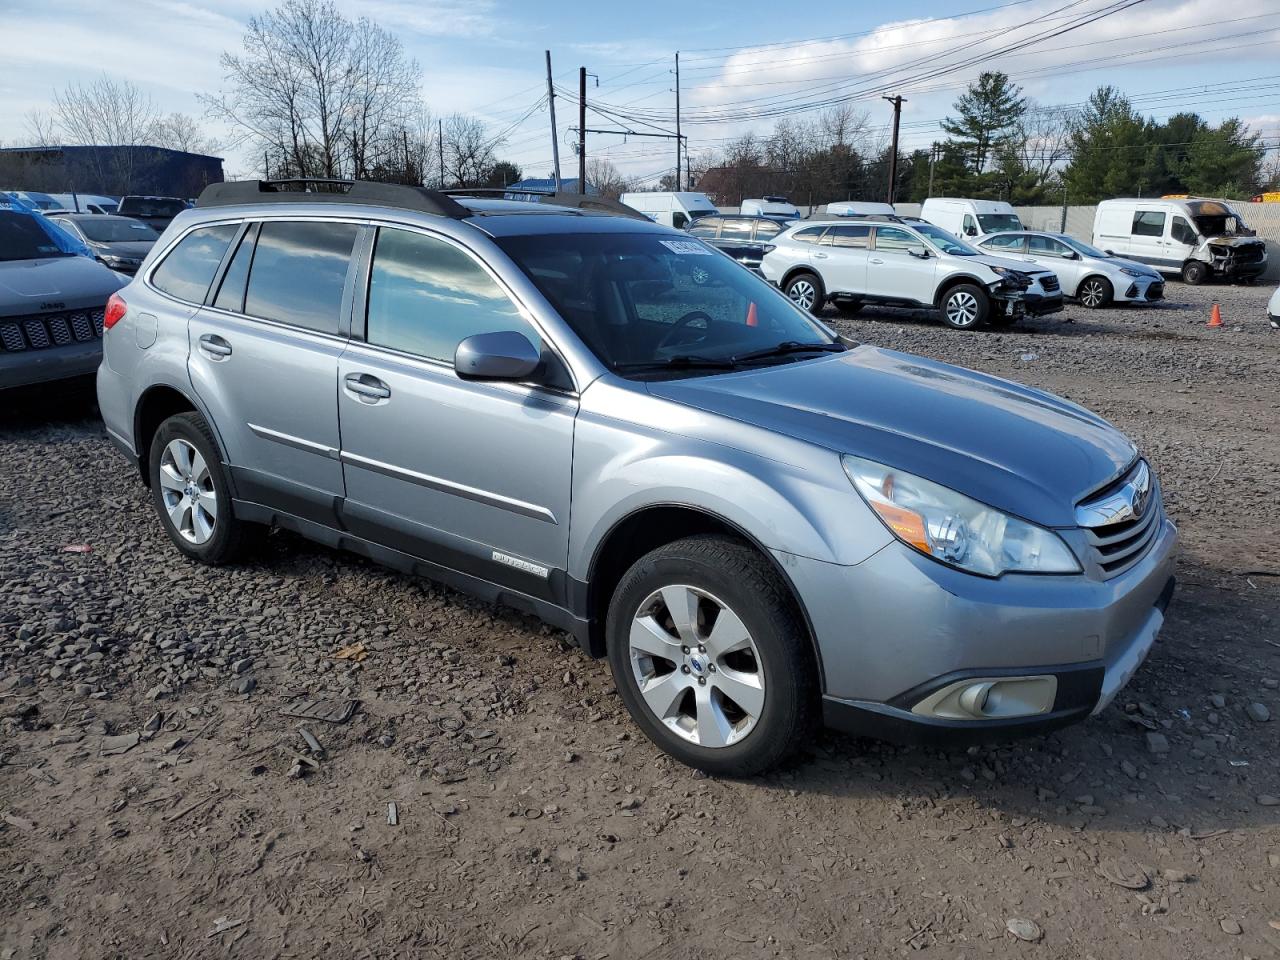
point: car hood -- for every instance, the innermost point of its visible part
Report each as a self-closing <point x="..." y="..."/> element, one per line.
<point x="1009" y="263"/>
<point x="30" y="286"/>
<point x="1023" y="451"/>
<point x="124" y="248"/>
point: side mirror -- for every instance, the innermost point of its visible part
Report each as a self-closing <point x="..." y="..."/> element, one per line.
<point x="1109" y="253"/>
<point x="506" y="355"/>
<point x="970" y="231"/>
<point x="918" y="251"/>
<point x="1072" y="255"/>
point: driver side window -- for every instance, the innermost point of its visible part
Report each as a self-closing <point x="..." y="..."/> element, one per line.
<point x="970" y="226"/>
<point x="1182" y="232"/>
<point x="894" y="240"/>
<point x="1047" y="247"/>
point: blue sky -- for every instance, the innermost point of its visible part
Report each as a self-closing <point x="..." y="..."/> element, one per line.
<point x="1221" y="57"/>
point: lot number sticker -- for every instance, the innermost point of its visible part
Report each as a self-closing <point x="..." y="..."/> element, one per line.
<point x="687" y="248"/>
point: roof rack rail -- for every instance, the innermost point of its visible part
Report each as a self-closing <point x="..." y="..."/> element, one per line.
<point x="575" y="201"/>
<point x="331" y="190"/>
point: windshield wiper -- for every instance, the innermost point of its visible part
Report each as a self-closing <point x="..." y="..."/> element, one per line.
<point x="787" y="347"/>
<point x="683" y="361"/>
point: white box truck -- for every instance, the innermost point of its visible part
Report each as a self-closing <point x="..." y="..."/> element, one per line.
<point x="1196" y="239"/>
<point x="858" y="208"/>
<point x="671" y="209"/>
<point x="970" y="218"/>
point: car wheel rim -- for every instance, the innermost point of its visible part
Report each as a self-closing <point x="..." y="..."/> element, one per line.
<point x="1092" y="294"/>
<point x="696" y="666"/>
<point x="186" y="486"/>
<point x="802" y="293"/>
<point x="962" y="309"/>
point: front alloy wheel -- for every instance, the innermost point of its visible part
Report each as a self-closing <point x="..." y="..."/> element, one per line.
<point x="1095" y="292"/>
<point x="696" y="666"/>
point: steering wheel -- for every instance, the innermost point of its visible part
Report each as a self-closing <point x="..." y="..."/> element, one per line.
<point x="680" y="324"/>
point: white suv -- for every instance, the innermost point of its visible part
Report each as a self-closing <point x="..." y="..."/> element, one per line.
<point x="901" y="263"/>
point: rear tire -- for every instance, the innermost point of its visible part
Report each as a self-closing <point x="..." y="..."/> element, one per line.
<point x="965" y="307"/>
<point x="1095" y="292"/>
<point x="1194" y="273"/>
<point x="805" y="290"/>
<point x="744" y="696"/>
<point x="192" y="494"/>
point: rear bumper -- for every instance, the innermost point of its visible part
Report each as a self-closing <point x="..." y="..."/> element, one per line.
<point x="26" y="367"/>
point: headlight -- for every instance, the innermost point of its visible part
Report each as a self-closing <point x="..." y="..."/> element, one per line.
<point x="951" y="527"/>
<point x="1130" y="272"/>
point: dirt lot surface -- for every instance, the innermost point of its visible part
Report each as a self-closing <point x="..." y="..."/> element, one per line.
<point x="147" y="806"/>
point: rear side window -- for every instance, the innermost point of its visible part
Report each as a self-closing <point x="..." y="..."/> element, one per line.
<point x="736" y="229"/>
<point x="706" y="227"/>
<point x="426" y="296"/>
<point x="299" y="270"/>
<point x="188" y="269"/>
<point x="808" y="234"/>
<point x="767" y="228"/>
<point x="1148" y="223"/>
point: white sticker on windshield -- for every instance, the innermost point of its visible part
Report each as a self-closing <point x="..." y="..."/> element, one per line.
<point x="687" y="248"/>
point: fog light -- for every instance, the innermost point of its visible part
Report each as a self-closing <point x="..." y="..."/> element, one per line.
<point x="990" y="698"/>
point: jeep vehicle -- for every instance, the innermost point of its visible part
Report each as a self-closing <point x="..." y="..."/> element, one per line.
<point x="906" y="263"/>
<point x="52" y="298"/>
<point x="760" y="525"/>
<point x="1197" y="240"/>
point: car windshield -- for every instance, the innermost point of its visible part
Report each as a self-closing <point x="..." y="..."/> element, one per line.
<point x="1083" y="248"/>
<point x="651" y="303"/>
<point x="944" y="241"/>
<point x="1221" y="225"/>
<point x="22" y="237"/>
<point x="106" y="230"/>
<point x="998" y="222"/>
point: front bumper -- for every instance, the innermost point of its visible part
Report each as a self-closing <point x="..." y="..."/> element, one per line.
<point x="922" y="627"/>
<point x="26" y="367"/>
<point x="1142" y="290"/>
<point x="1037" y="305"/>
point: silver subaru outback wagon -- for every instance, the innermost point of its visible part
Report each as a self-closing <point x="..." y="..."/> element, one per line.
<point x="608" y="423"/>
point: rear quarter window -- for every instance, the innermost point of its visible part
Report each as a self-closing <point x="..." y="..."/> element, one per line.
<point x="188" y="269"/>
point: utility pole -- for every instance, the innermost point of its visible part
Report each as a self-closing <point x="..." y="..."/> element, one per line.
<point x="440" y="144"/>
<point x="555" y="140"/>
<point x="582" y="130"/>
<point x="893" y="156"/>
<point x="678" y="140"/>
<point x="933" y="158"/>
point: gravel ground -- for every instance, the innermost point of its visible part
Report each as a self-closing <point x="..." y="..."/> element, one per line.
<point x="154" y="802"/>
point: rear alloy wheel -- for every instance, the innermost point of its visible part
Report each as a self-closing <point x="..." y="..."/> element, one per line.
<point x="710" y="656"/>
<point x="805" y="291"/>
<point x="191" y="494"/>
<point x="965" y="307"/>
<point x="1195" y="273"/>
<point x="1095" y="292"/>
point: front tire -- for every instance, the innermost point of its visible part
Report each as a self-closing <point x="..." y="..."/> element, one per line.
<point x="965" y="307"/>
<point x="1194" y="273"/>
<point x="805" y="290"/>
<point x="711" y="657"/>
<point x="1095" y="293"/>
<point x="191" y="492"/>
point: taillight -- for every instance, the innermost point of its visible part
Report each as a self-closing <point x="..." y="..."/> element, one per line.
<point x="116" y="308"/>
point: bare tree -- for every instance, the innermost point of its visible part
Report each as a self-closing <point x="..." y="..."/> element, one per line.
<point x="1044" y="138"/>
<point x="468" y="150"/>
<point x="606" y="178"/>
<point x="41" y="129"/>
<point x="107" y="113"/>
<point x="181" y="131"/>
<point x="319" y="94"/>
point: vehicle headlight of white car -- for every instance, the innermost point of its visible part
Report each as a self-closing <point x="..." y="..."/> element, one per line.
<point x="1130" y="272"/>
<point x="959" y="531"/>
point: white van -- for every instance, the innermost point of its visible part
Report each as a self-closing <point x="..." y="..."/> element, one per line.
<point x="970" y="218"/>
<point x="671" y="209"/>
<point x="1195" y="238"/>
<point x="777" y="208"/>
<point x="86" y="203"/>
<point x="859" y="208"/>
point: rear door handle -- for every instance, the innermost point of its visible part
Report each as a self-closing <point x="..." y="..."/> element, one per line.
<point x="367" y="387"/>
<point x="215" y="346"/>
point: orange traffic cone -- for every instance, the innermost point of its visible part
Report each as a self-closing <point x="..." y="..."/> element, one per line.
<point x="753" y="319"/>
<point x="1215" y="316"/>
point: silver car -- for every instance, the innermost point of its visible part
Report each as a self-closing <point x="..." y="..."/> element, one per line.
<point x="609" y="424"/>
<point x="1092" y="276"/>
<point x="117" y="242"/>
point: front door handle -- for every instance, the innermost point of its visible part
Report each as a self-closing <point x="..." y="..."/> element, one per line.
<point x="367" y="387"/>
<point x="876" y="260"/>
<point x="215" y="346"/>
<point x="820" y="256"/>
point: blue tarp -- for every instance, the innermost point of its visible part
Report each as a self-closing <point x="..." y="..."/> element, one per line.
<point x="61" y="238"/>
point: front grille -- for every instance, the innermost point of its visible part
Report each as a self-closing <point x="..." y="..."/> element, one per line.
<point x="50" y="330"/>
<point x="1050" y="283"/>
<point x="1251" y="253"/>
<point x="1119" y="545"/>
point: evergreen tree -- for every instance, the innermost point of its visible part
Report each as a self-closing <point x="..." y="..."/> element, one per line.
<point x="1108" y="149"/>
<point x="989" y="114"/>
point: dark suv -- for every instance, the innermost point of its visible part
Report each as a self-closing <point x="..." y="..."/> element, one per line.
<point x="745" y="238"/>
<point x="156" y="212"/>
